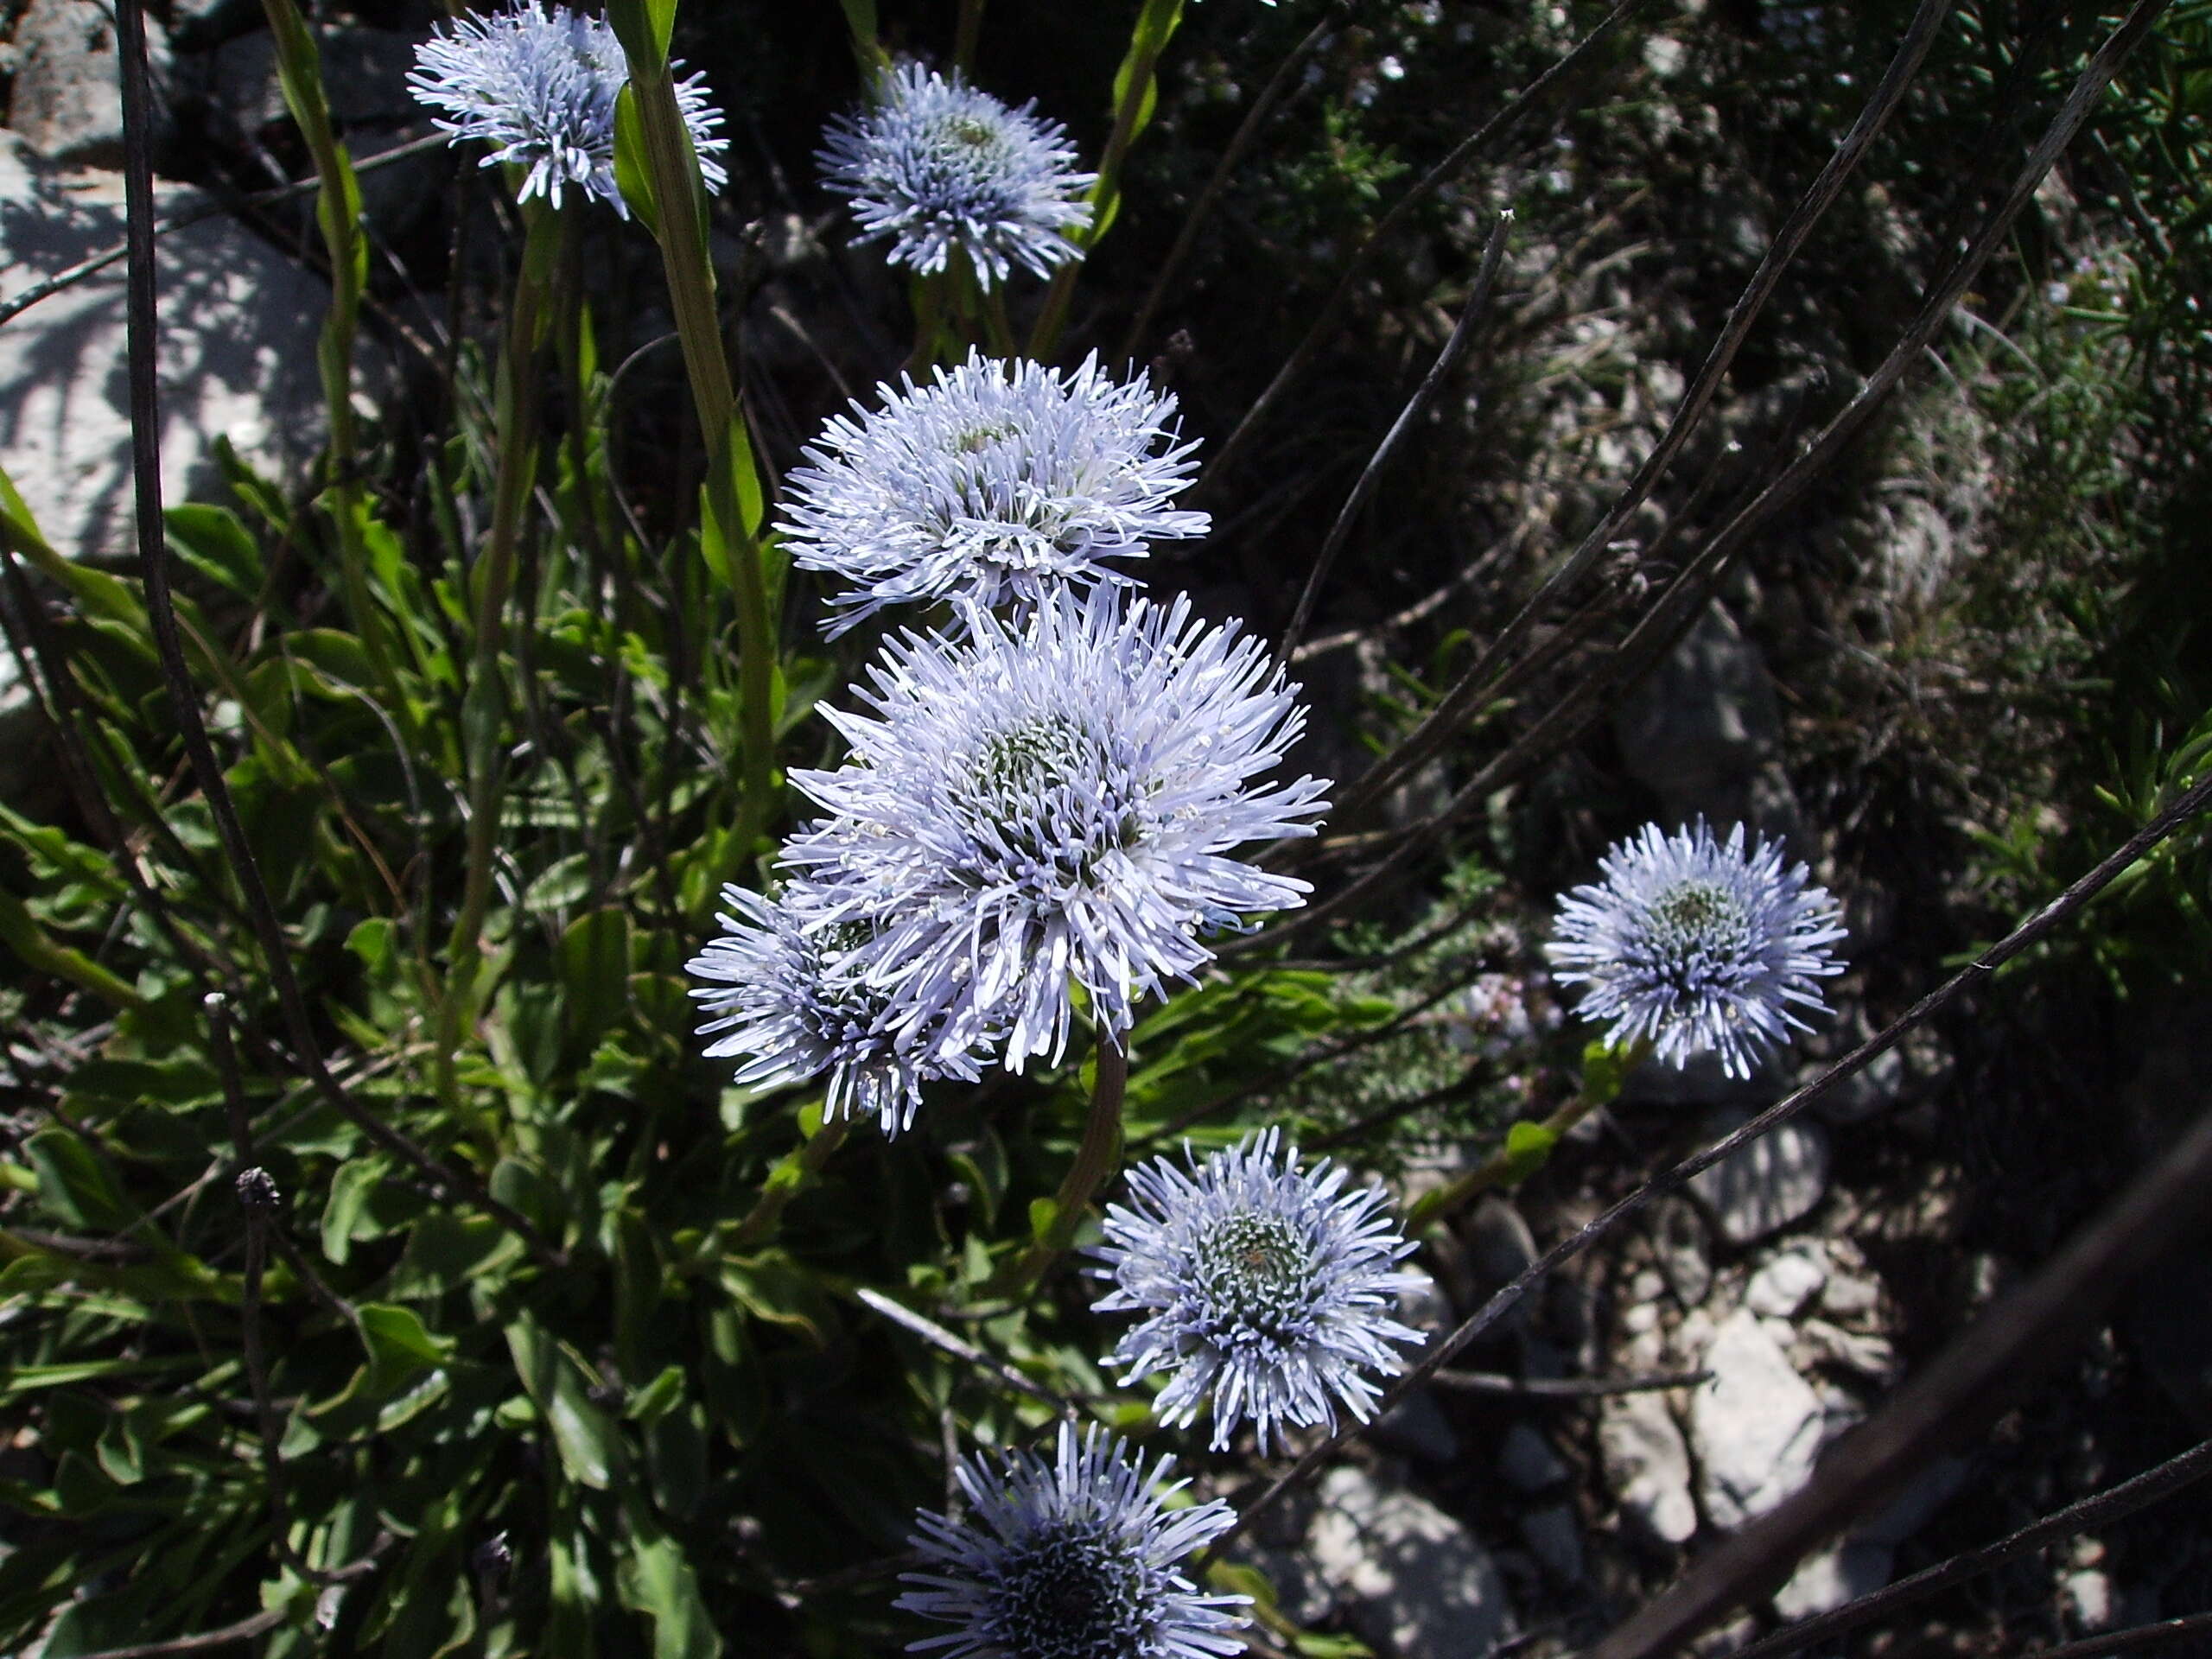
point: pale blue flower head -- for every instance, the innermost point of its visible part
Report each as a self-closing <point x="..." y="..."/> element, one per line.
<point x="1696" y="947"/>
<point x="538" y="85"/>
<point x="996" y="482"/>
<point x="1071" y="1558"/>
<point x="935" y="165"/>
<point x="1054" y="802"/>
<point x="791" y="1006"/>
<point x="1267" y="1288"/>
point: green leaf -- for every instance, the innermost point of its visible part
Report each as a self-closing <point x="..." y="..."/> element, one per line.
<point x="594" y="962"/>
<point x="350" y="1188"/>
<point x="655" y="1579"/>
<point x="632" y="175"/>
<point x="397" y="1341"/>
<point x="20" y="932"/>
<point x="212" y="540"/>
<point x="340" y="657"/>
<point x="771" y="1287"/>
<point x="1528" y="1148"/>
<point x="1605" y="1068"/>
<point x="559" y="1383"/>
<point x="74" y="1183"/>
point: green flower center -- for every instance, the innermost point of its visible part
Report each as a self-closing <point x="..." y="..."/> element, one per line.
<point x="1071" y="1597"/>
<point x="1257" y="1272"/>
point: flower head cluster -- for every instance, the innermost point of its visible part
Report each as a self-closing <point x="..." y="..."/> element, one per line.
<point x="1050" y="801"/>
<point x="935" y="165"/>
<point x="539" y="86"/>
<point x="1267" y="1287"/>
<point x="1072" y="1558"/>
<point x="996" y="483"/>
<point x="793" y="1006"/>
<point x="1697" y="947"/>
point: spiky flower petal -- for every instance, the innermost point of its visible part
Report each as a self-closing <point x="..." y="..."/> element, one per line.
<point x="795" y="1006"/>
<point x="1054" y="800"/>
<point x="539" y="84"/>
<point x="937" y="165"/>
<point x="998" y="483"/>
<point x="1072" y="1558"/>
<point x="1268" y="1288"/>
<point x="1696" y="947"/>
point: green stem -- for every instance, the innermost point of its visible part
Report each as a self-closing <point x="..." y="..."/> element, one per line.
<point x="338" y="213"/>
<point x="734" y="501"/>
<point x="484" y="704"/>
<point x="964" y="42"/>
<point x="1136" y="90"/>
<point x="784" y="1183"/>
<point x="1097" y="1158"/>
<point x="1510" y="1165"/>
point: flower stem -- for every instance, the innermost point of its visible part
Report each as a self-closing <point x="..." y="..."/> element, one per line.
<point x="733" y="503"/>
<point x="484" y="705"/>
<point x="784" y="1184"/>
<point x="1134" y="94"/>
<point x="1098" y="1157"/>
<point x="1523" y="1156"/>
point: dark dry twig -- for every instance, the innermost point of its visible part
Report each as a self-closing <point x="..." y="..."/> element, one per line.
<point x="1676" y="605"/>
<point x="2139" y="1639"/>
<point x="2098" y="1509"/>
<point x="1565" y="1387"/>
<point x="934" y="1334"/>
<point x="1418" y="405"/>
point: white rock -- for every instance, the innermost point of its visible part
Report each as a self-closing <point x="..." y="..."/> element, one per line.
<point x="1783" y="1286"/>
<point x="239" y="322"/>
<point x="1418" y="1584"/>
<point x="1827" y="1579"/>
<point x="1760" y="1189"/>
<point x="66" y="101"/>
<point x="2089" y="1598"/>
<point x="1871" y="1356"/>
<point x="1648" y="1466"/>
<point x="1757" y="1426"/>
<point x="1848" y="1296"/>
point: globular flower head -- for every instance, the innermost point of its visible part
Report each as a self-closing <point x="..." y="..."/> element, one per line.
<point x="792" y="1004"/>
<point x="997" y="483"/>
<point x="1072" y="1558"/>
<point x="539" y="84"/>
<point x="1055" y="801"/>
<point x="937" y="165"/>
<point x="1696" y="947"/>
<point x="1267" y="1288"/>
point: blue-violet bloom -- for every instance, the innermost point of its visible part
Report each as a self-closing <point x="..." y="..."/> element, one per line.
<point x="1072" y="1558"/>
<point x="791" y="1006"/>
<point x="996" y="482"/>
<point x="1696" y="947"/>
<point x="1267" y="1288"/>
<point x="1054" y="801"/>
<point x="937" y="165"/>
<point x="539" y="84"/>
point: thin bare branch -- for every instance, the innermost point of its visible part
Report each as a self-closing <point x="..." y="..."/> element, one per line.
<point x="1417" y="406"/>
<point x="1564" y="1387"/>
<point x="960" y="1348"/>
<point x="2098" y="1509"/>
